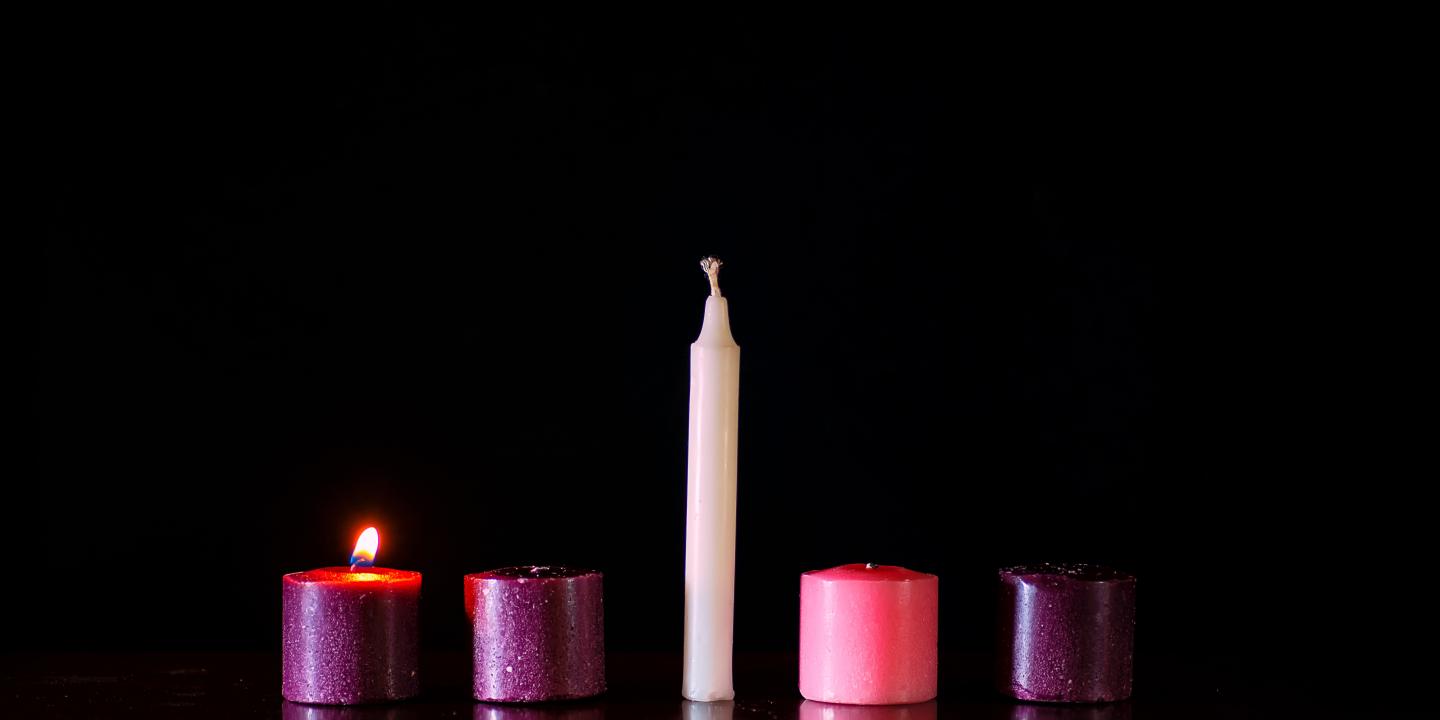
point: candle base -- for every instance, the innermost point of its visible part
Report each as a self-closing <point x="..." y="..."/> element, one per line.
<point x="708" y="696"/>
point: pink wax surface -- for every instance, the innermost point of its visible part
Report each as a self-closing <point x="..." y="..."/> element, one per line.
<point x="868" y="635"/>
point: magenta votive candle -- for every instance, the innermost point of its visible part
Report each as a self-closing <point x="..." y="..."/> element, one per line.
<point x="1066" y="633"/>
<point x="350" y="636"/>
<point x="538" y="633"/>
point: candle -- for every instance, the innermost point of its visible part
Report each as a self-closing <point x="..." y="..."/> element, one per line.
<point x="538" y="633"/>
<point x="710" y="502"/>
<point x="1066" y="634"/>
<point x="350" y="634"/>
<point x="868" y="635"/>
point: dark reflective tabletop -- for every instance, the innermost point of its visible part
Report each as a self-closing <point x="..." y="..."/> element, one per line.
<point x="641" y="686"/>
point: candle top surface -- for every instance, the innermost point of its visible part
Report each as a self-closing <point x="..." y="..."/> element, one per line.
<point x="1079" y="572"/>
<point x="715" y="328"/>
<point x="532" y="572"/>
<point x="869" y="572"/>
<point x="345" y="576"/>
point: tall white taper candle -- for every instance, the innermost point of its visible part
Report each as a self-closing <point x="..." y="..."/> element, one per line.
<point x="710" y="502"/>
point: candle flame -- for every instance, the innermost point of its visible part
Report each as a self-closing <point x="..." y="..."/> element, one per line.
<point x="365" y="548"/>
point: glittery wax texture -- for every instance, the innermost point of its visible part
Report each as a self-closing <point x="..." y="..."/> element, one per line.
<point x="1066" y="633"/>
<point x="350" y="637"/>
<point x="538" y="633"/>
<point x="868" y="635"/>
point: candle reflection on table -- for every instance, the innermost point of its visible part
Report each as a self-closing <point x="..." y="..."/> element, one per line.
<point x="547" y="711"/>
<point x="299" y="711"/>
<point x="1104" y="711"/>
<point x="718" y="710"/>
<point x="812" y="710"/>
<point x="482" y="711"/>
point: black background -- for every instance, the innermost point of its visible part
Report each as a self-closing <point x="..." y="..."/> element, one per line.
<point x="1001" y="300"/>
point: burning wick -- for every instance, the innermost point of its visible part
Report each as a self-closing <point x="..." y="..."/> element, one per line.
<point x="365" y="548"/>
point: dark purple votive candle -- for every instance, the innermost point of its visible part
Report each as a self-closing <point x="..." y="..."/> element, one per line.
<point x="1066" y="633"/>
<point x="350" y="636"/>
<point x="538" y="633"/>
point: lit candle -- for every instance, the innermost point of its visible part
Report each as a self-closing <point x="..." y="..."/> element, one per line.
<point x="710" y="502"/>
<point x="351" y="634"/>
<point x="537" y="633"/>
<point x="868" y="635"/>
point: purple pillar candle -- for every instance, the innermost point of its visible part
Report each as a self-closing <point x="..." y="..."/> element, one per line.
<point x="350" y="636"/>
<point x="1066" y="633"/>
<point x="538" y="633"/>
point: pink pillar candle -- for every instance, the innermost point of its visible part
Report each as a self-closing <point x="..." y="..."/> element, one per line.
<point x="868" y="635"/>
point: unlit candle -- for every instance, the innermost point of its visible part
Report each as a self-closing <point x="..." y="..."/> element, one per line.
<point x="710" y="502"/>
<point x="868" y="635"/>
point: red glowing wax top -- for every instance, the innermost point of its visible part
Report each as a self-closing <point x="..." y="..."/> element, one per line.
<point x="345" y="576"/>
<point x="361" y="570"/>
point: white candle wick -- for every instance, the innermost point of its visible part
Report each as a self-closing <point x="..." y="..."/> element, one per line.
<point x="711" y="265"/>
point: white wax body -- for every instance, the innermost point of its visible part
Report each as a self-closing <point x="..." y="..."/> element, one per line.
<point x="710" y="508"/>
